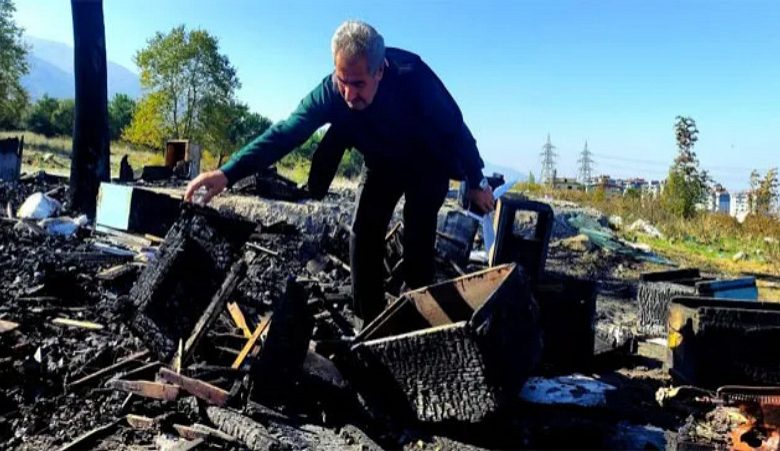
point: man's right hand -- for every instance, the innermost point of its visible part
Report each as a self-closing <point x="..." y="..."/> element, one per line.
<point x="214" y="181"/>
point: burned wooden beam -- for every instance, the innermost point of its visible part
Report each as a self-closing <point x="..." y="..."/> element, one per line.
<point x="173" y="292"/>
<point x="85" y="440"/>
<point x="90" y="158"/>
<point x="249" y="432"/>
<point x="97" y="375"/>
<point x="278" y="367"/>
<point x="195" y="387"/>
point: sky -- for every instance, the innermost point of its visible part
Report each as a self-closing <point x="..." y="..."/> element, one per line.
<point x="612" y="73"/>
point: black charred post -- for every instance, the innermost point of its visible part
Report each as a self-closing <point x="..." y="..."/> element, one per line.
<point x="281" y="360"/>
<point x="172" y="293"/>
<point x="90" y="162"/>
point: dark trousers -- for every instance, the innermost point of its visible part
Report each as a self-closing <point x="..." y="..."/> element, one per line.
<point x="378" y="195"/>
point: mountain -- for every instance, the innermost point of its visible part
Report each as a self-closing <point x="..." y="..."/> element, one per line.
<point x="507" y="172"/>
<point x="51" y="72"/>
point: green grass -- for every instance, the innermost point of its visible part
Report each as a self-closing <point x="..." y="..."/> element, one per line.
<point x="53" y="154"/>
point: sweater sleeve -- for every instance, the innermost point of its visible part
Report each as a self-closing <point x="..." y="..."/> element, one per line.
<point x="282" y="137"/>
<point x="442" y="112"/>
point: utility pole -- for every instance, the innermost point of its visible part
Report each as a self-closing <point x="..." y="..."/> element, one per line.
<point x="585" y="173"/>
<point x="548" y="162"/>
<point x="90" y="154"/>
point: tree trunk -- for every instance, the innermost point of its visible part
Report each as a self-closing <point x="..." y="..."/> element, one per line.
<point x="90" y="161"/>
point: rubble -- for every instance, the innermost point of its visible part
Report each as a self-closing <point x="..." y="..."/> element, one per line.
<point x="237" y="333"/>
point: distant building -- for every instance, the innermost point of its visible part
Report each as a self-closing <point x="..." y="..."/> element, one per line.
<point x="568" y="184"/>
<point x="740" y="205"/>
<point x="718" y="200"/>
<point x="653" y="188"/>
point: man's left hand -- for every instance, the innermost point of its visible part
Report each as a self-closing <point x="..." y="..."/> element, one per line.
<point x="482" y="199"/>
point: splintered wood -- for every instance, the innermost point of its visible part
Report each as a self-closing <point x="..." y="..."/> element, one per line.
<point x="251" y="342"/>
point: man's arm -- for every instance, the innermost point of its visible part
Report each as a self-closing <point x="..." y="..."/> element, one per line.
<point x="271" y="146"/>
<point x="441" y="110"/>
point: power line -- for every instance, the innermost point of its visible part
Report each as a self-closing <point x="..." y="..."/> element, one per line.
<point x="548" y="162"/>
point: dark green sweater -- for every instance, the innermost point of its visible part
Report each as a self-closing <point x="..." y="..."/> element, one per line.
<point x="412" y="120"/>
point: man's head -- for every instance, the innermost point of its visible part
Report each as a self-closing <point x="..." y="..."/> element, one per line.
<point x="359" y="59"/>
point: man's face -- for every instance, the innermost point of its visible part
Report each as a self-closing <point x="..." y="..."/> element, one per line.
<point x="356" y="84"/>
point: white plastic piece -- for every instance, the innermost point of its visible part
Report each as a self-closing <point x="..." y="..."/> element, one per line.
<point x="575" y="389"/>
<point x="39" y="206"/>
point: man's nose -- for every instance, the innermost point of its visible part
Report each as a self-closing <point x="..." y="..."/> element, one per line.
<point x="350" y="93"/>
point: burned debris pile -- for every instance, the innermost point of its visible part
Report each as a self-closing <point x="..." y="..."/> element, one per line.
<point x="178" y="326"/>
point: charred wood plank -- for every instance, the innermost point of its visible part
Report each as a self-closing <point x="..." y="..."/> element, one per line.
<point x="195" y="387"/>
<point x="107" y="370"/>
<point x="85" y="440"/>
<point x="147" y="389"/>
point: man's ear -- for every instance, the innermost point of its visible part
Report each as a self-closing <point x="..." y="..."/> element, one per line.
<point x="381" y="71"/>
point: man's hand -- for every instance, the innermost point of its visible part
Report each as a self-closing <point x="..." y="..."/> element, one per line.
<point x="482" y="199"/>
<point x="214" y="181"/>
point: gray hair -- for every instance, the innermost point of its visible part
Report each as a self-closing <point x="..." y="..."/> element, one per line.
<point x="354" y="39"/>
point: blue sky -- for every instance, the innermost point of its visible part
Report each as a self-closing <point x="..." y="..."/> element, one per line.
<point x="614" y="73"/>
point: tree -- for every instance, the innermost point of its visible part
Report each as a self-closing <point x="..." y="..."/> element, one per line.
<point x="148" y="128"/>
<point x="531" y="178"/>
<point x="63" y="116"/>
<point x="763" y="192"/>
<point x="120" y="114"/>
<point x="686" y="184"/>
<point x="40" y="117"/>
<point x="192" y="84"/>
<point x="231" y="125"/>
<point x="13" y="65"/>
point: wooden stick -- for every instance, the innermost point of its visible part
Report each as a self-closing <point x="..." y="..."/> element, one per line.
<point x="107" y="370"/>
<point x="392" y="231"/>
<point x="75" y="323"/>
<point x="239" y="319"/>
<point x="262" y="249"/>
<point x="82" y="441"/>
<point x="251" y="342"/>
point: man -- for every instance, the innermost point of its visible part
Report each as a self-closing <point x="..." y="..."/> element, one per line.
<point x="388" y="104"/>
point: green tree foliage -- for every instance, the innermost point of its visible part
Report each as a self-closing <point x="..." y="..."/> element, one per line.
<point x="148" y="127"/>
<point x="351" y="164"/>
<point x="13" y="65"/>
<point x="51" y="117"/>
<point x="686" y="185"/>
<point x="193" y="86"/>
<point x="764" y="192"/>
<point x="63" y="117"/>
<point x="120" y="114"/>
<point x="231" y="126"/>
